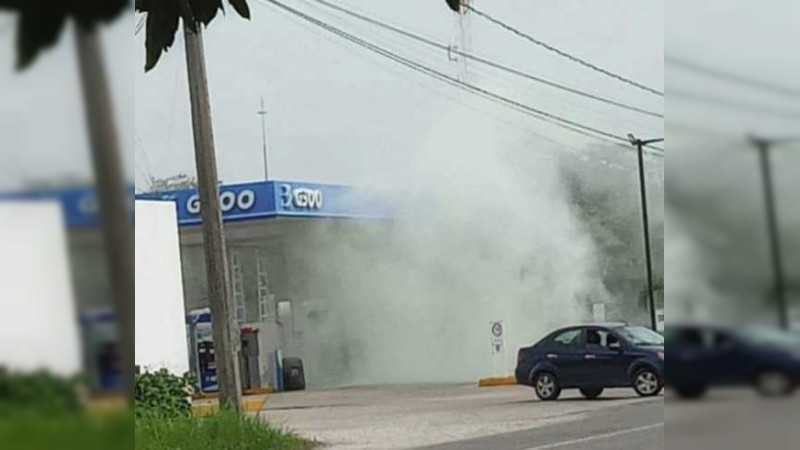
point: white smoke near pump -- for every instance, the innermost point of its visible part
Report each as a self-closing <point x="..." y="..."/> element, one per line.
<point x="484" y="232"/>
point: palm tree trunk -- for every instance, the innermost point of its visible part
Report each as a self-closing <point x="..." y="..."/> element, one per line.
<point x="112" y="193"/>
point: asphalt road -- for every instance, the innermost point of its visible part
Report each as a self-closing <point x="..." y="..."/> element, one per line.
<point x="467" y="417"/>
<point x="632" y="426"/>
<point x="733" y="420"/>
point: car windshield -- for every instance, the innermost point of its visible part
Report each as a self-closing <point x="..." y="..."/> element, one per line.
<point x="768" y="337"/>
<point x="641" y="336"/>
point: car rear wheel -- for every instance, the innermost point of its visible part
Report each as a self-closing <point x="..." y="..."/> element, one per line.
<point x="773" y="383"/>
<point x="592" y="393"/>
<point x="547" y="387"/>
<point x="646" y="383"/>
<point x="691" y="392"/>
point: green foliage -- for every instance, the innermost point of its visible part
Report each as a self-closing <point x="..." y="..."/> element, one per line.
<point x="164" y="16"/>
<point x="163" y="395"/>
<point x="226" y="430"/>
<point x="41" y="393"/>
<point x="41" y="22"/>
<point x="454" y="5"/>
<point x="33" y="431"/>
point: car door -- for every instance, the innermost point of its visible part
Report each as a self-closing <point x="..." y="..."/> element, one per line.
<point x="567" y="353"/>
<point x="604" y="365"/>
<point x="726" y="362"/>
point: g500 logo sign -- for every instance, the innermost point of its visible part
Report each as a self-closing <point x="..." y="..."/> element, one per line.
<point x="89" y="204"/>
<point x="301" y="198"/>
<point x="228" y="200"/>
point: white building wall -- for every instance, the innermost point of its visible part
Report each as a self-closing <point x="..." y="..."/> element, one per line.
<point x="160" y="312"/>
<point x="38" y="320"/>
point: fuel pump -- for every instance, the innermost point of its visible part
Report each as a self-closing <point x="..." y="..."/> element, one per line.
<point x="101" y="350"/>
<point x="202" y="353"/>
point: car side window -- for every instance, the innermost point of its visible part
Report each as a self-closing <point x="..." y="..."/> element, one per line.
<point x="722" y="341"/>
<point x="570" y="339"/>
<point x="600" y="339"/>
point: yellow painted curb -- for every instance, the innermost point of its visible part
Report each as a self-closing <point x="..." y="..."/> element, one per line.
<point x="246" y="392"/>
<point x="205" y="408"/>
<point x="105" y="405"/>
<point x="497" y="382"/>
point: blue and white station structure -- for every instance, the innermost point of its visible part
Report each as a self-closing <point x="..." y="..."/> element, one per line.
<point x="281" y="272"/>
<point x="279" y="236"/>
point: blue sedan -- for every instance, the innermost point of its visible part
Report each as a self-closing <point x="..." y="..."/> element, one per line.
<point x="592" y="358"/>
<point x="714" y="356"/>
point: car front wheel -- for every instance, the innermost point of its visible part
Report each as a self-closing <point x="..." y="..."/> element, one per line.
<point x="592" y="393"/>
<point x="646" y="383"/>
<point x="547" y="387"/>
<point x="773" y="383"/>
<point x="691" y="392"/>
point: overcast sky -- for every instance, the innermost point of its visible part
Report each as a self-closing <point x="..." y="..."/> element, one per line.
<point x="41" y="110"/>
<point x="337" y="111"/>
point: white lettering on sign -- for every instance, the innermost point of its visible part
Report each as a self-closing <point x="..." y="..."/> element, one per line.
<point x="301" y="198"/>
<point x="228" y="200"/>
<point x="89" y="204"/>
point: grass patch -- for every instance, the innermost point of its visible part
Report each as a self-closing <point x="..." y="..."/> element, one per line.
<point x="225" y="431"/>
<point x="35" y="431"/>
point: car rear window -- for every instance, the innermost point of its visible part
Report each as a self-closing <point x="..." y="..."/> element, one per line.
<point x="571" y="338"/>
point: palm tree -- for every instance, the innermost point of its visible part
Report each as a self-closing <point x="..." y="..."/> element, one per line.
<point x="164" y="16"/>
<point x="40" y="25"/>
<point x="163" y="21"/>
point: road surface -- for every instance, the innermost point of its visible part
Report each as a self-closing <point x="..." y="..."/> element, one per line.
<point x="409" y="417"/>
<point x="629" y="426"/>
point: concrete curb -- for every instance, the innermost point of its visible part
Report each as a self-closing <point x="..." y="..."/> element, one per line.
<point x="497" y="382"/>
<point x="206" y="408"/>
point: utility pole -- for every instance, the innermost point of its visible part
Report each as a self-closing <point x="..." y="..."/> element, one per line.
<point x="115" y="207"/>
<point x="219" y="286"/>
<point x="640" y="144"/>
<point x="764" y="147"/>
<point x="263" y="113"/>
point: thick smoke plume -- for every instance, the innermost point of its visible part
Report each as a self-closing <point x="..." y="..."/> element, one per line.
<point x="484" y="232"/>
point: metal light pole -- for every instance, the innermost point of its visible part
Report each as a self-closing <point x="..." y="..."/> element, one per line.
<point x="640" y="144"/>
<point x="263" y="113"/>
<point x="764" y="146"/>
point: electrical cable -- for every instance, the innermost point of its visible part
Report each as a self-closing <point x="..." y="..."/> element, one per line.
<point x="526" y="109"/>
<point x="733" y="104"/>
<point x="490" y="63"/>
<point x="140" y="25"/>
<point x="733" y="78"/>
<point x="562" y="53"/>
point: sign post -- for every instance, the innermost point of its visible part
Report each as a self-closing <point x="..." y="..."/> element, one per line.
<point x="498" y="340"/>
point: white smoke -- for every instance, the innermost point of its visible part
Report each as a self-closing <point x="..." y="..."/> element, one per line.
<point x="484" y="232"/>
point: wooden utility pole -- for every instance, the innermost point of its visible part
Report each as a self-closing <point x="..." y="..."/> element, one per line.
<point x="764" y="147"/>
<point x="640" y="144"/>
<point x="115" y="207"/>
<point x="219" y="287"/>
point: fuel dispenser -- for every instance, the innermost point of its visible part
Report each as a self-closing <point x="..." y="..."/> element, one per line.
<point x="249" y="361"/>
<point x="261" y="360"/>
<point x="202" y="356"/>
<point x="101" y="350"/>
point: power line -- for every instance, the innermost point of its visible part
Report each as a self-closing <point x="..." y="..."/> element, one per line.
<point x="526" y="109"/>
<point x="733" y="78"/>
<point x="562" y="53"/>
<point x="140" y="25"/>
<point x="474" y="108"/>
<point x="733" y="104"/>
<point x="490" y="63"/>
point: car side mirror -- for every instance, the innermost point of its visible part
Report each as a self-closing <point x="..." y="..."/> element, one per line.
<point x="615" y="346"/>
